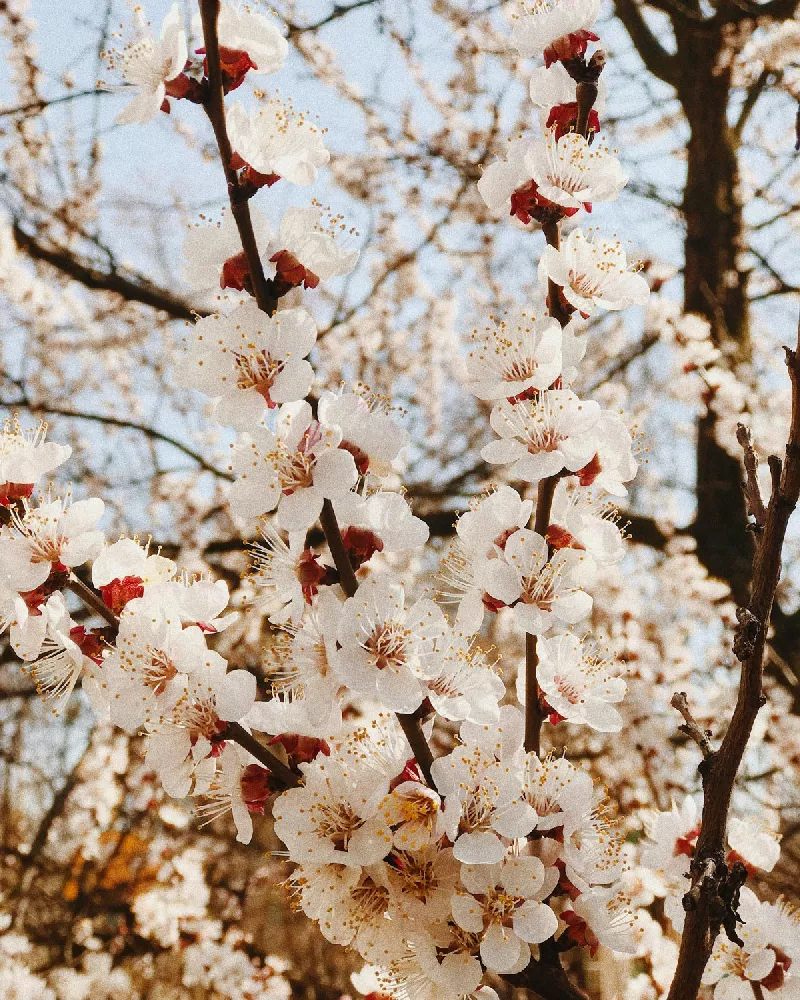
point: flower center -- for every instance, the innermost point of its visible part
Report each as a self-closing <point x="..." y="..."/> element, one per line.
<point x="387" y="644"/>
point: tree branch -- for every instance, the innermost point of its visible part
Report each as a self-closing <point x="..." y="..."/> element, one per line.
<point x="652" y="52"/>
<point x="711" y="901"/>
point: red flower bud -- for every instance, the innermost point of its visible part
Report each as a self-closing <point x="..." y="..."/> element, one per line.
<point x="119" y="591"/>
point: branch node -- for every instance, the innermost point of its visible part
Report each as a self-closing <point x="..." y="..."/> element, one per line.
<point x="746" y="634"/>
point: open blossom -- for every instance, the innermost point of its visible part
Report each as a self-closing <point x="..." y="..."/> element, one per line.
<point x="767" y="958"/>
<point x="249" y="361"/>
<point x="123" y="570"/>
<point x="556" y="29"/>
<point x="482" y="533"/>
<point x="25" y="457"/>
<point x="608" y="915"/>
<point x="239" y="786"/>
<point x="367" y="431"/>
<point x="579" y="521"/>
<point x="550" y="793"/>
<point x="294" y="469"/>
<point x="276" y="141"/>
<point x="386" y="648"/>
<point x="242" y="30"/>
<point x="580" y="683"/>
<point x="55" y="533"/>
<point x="570" y="172"/>
<point x="380" y="522"/>
<point x="515" y="354"/>
<point x="184" y="737"/>
<point x="503" y="904"/>
<point x="150" y="64"/>
<point x="213" y="255"/>
<point x="62" y="661"/>
<point x="671" y="839"/>
<point x="465" y="685"/>
<point x="593" y="273"/>
<point x="334" y="818"/>
<point x="306" y="252"/>
<point x="543" y="436"/>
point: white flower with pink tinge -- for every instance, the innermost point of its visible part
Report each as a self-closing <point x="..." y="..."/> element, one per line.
<point x="295" y="469"/>
<point x="209" y="245"/>
<point x="367" y="431"/>
<point x="503" y="905"/>
<point x="570" y="172"/>
<point x="387" y="649"/>
<point x="275" y="140"/>
<point x="239" y="786"/>
<point x="671" y="839"/>
<point x="757" y="844"/>
<point x="580" y="683"/>
<point x="185" y="737"/>
<point x="551" y="793"/>
<point x="482" y="533"/>
<point x="516" y="353"/>
<point x="610" y="917"/>
<point x="242" y="29"/>
<point x="316" y="247"/>
<point x="557" y="29"/>
<point x="387" y="516"/>
<point x="128" y="558"/>
<point x="249" y="361"/>
<point x="771" y="949"/>
<point x="25" y="457"/>
<point x="501" y="178"/>
<point x="593" y="273"/>
<point x="149" y="64"/>
<point x="56" y="532"/>
<point x="578" y="520"/>
<point x="334" y="817"/>
<point x="465" y="686"/>
<point x="543" y="436"/>
<point x="543" y="591"/>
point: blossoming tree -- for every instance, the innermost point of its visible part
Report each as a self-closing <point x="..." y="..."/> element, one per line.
<point x="435" y="822"/>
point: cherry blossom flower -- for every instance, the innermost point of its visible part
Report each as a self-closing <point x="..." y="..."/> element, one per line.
<point x="503" y="905"/>
<point x="556" y="29"/>
<point x="580" y="682"/>
<point x="465" y="685"/>
<point x="287" y="577"/>
<point x="756" y="844"/>
<point x="367" y="431"/>
<point x="242" y="30"/>
<point x="294" y="470"/>
<point x="249" y="361"/>
<point x="414" y="812"/>
<point x="306" y="252"/>
<point x="542" y="590"/>
<point x="386" y="648"/>
<point x="579" y="521"/>
<point x="54" y="534"/>
<point x="550" y="793"/>
<point x="771" y="947"/>
<point x="613" y="463"/>
<point x="334" y="817"/>
<point x="25" y="457"/>
<point x="501" y="178"/>
<point x="62" y="661"/>
<point x="183" y="737"/>
<point x="608" y="914"/>
<point x="543" y="436"/>
<point x="593" y="273"/>
<point x="123" y="569"/>
<point x="570" y="172"/>
<point x="276" y="141"/>
<point x="671" y="839"/>
<point x="422" y="883"/>
<point x="239" y="786"/>
<point x="150" y="65"/>
<point x="379" y="522"/>
<point x="517" y="353"/>
<point x="209" y="246"/>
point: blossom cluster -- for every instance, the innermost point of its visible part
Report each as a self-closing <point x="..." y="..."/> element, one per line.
<point x="436" y="873"/>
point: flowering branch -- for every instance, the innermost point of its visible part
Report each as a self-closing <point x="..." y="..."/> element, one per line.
<point x="710" y="902"/>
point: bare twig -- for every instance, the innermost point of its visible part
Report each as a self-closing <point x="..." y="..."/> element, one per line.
<point x="713" y="897"/>
<point x="702" y="737"/>
<point x="752" y="491"/>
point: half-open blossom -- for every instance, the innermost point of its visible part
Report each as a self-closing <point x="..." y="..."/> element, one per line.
<point x="150" y="64"/>
<point x="287" y="577"/>
<point x="294" y="469"/>
<point x="249" y="361"/>
<point x="578" y="520"/>
<point x="213" y="252"/>
<point x="513" y="355"/>
<point x="608" y="915"/>
<point x="123" y="569"/>
<point x="306" y="252"/>
<point x="239" y="786"/>
<point x="244" y="31"/>
<point x="507" y="185"/>
<point x="276" y="141"/>
<point x="671" y="839"/>
<point x="543" y="436"/>
<point x="552" y="87"/>
<point x="386" y="518"/>
<point x="556" y="29"/>
<point x="386" y="648"/>
<point x="755" y="843"/>
<point x="593" y="273"/>
<point x="367" y="430"/>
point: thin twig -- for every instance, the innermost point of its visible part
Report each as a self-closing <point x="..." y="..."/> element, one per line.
<point x="702" y="737"/>
<point x="752" y="491"/>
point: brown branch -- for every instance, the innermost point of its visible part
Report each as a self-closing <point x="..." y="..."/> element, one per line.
<point x="653" y="54"/>
<point x="139" y="290"/>
<point x="752" y="491"/>
<point x="215" y="109"/>
<point x="92" y="600"/>
<point x="273" y="764"/>
<point x="333" y="536"/>
<point x="339" y="10"/>
<point x="711" y="901"/>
